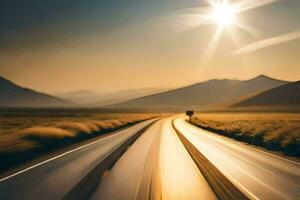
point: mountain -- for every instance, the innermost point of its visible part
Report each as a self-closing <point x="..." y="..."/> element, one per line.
<point x="12" y="95"/>
<point x="79" y="94"/>
<point x="204" y="94"/>
<point x="288" y="94"/>
<point x="81" y="97"/>
<point x="87" y="98"/>
<point x="125" y="95"/>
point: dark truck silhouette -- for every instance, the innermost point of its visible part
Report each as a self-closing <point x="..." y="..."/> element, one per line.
<point x="189" y="113"/>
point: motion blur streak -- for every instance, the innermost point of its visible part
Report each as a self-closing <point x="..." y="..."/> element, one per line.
<point x="181" y="178"/>
<point x="156" y="167"/>
<point x="124" y="179"/>
<point x="260" y="174"/>
<point x="55" y="177"/>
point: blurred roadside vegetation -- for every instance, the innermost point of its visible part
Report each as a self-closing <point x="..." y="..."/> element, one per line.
<point x="273" y="131"/>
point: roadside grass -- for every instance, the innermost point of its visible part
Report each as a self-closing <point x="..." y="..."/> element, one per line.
<point x="24" y="143"/>
<point x="273" y="131"/>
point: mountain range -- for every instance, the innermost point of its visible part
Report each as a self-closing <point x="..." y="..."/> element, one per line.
<point x="80" y="97"/>
<point x="288" y="94"/>
<point x="211" y="93"/>
<point x="259" y="91"/>
<point x="12" y="95"/>
<point x="92" y="99"/>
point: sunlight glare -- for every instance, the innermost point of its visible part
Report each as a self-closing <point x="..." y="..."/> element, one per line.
<point x="224" y="15"/>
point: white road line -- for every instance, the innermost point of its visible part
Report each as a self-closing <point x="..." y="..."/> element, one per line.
<point x="235" y="182"/>
<point x="63" y="154"/>
<point x="270" y="154"/>
<point x="189" y="127"/>
<point x="247" y="145"/>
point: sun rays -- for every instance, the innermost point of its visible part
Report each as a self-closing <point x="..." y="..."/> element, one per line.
<point x="224" y="15"/>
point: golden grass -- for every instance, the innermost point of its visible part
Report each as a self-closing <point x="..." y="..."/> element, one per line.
<point x="75" y="127"/>
<point x="25" y="134"/>
<point x="46" y="132"/>
<point x="275" y="131"/>
<point x="15" y="143"/>
<point x="28" y="133"/>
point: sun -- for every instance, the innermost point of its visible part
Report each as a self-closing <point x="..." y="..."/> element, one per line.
<point x="224" y="15"/>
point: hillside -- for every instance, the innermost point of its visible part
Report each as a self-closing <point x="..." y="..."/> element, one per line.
<point x="81" y="97"/>
<point x="12" y="95"/>
<point x="124" y="95"/>
<point x="209" y="93"/>
<point x="288" y="94"/>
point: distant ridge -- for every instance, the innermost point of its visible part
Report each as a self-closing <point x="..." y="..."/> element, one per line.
<point x="125" y="95"/>
<point x="12" y="95"/>
<point x="288" y="94"/>
<point x="204" y="94"/>
<point x="80" y="97"/>
<point x="80" y="93"/>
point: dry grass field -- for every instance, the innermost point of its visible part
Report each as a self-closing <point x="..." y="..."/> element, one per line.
<point x="26" y="134"/>
<point x="274" y="131"/>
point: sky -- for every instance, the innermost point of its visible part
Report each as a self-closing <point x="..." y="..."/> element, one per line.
<point x="111" y="45"/>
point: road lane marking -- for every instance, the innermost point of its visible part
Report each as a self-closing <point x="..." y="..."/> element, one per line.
<point x="243" y="144"/>
<point x="90" y="182"/>
<point x="181" y="177"/>
<point x="129" y="167"/>
<point x="221" y="184"/>
<point x="193" y="129"/>
<point x="61" y="155"/>
<point x="241" y="186"/>
<point x="227" y="147"/>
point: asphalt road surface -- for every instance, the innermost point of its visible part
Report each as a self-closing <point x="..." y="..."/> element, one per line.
<point x="259" y="174"/>
<point x="54" y="178"/>
<point x="162" y="164"/>
<point x="157" y="166"/>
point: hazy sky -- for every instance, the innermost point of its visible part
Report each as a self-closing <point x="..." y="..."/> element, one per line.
<point x="108" y="45"/>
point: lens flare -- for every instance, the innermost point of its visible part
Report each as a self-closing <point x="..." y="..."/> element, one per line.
<point x="224" y="15"/>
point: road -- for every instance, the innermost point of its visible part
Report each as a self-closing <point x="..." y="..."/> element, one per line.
<point x="157" y="166"/>
<point x="161" y="165"/>
<point x="54" y="178"/>
<point x="261" y="175"/>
